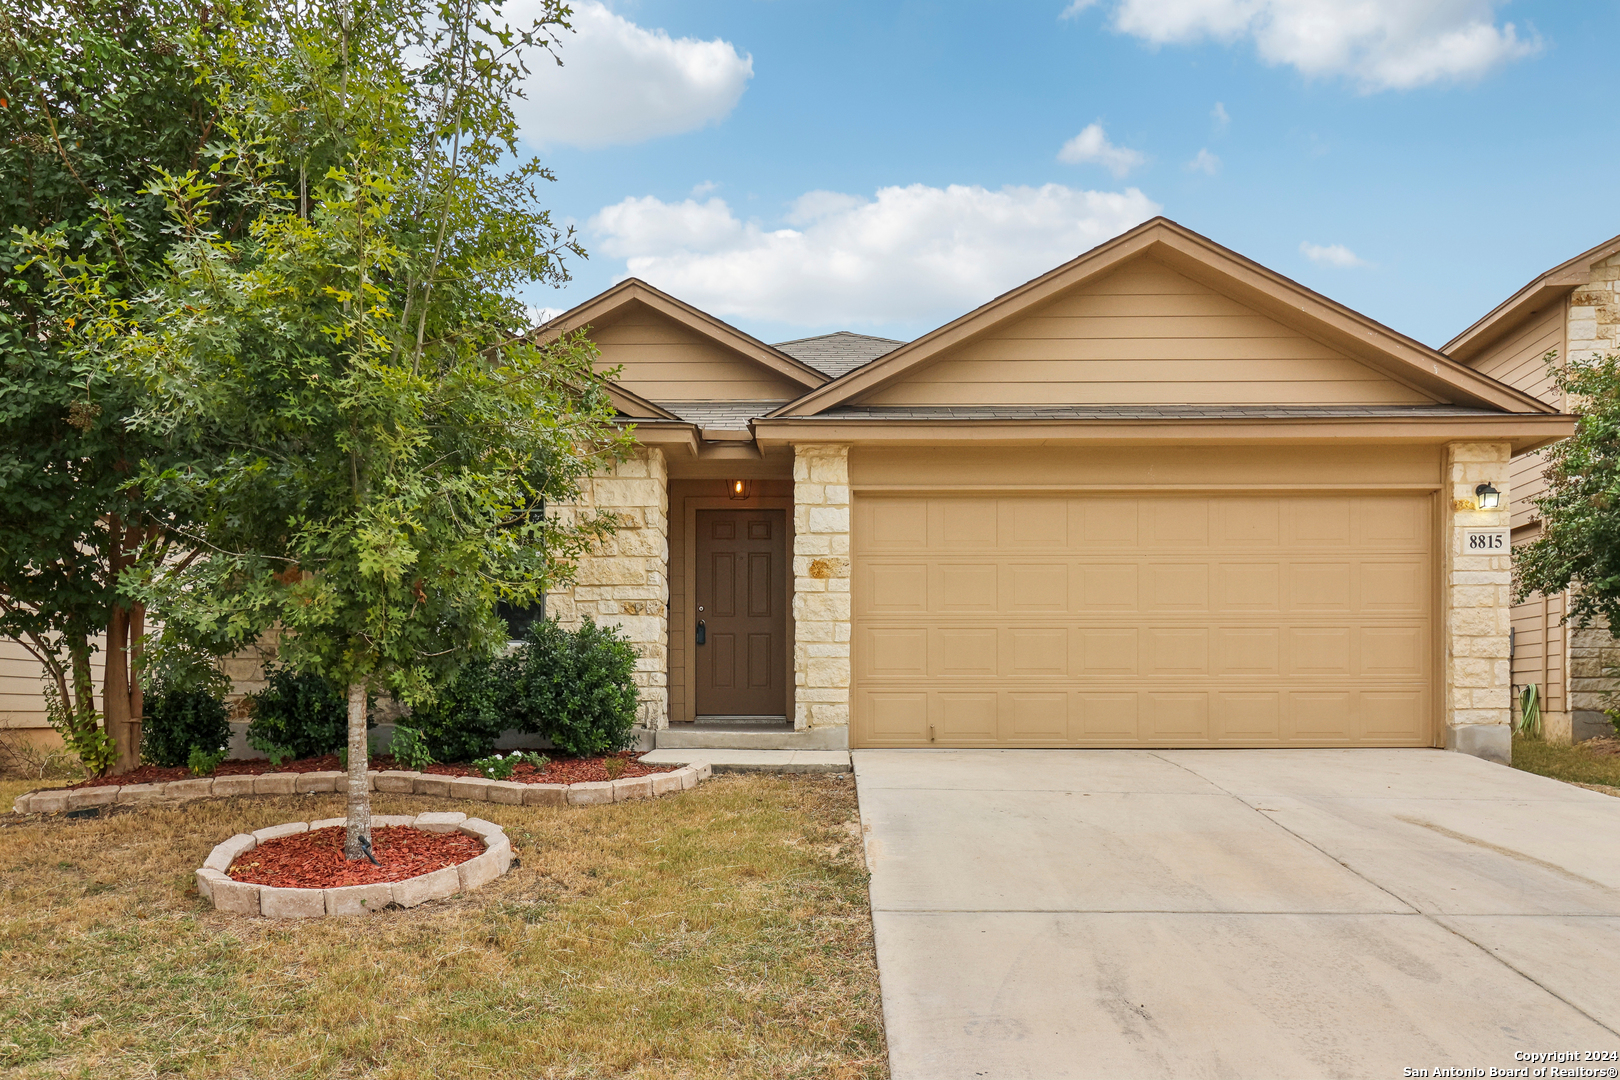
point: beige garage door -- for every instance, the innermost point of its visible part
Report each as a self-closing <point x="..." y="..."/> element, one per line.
<point x="1143" y="621"/>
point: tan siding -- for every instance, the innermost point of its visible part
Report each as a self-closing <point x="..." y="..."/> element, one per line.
<point x="1145" y="335"/>
<point x="665" y="361"/>
<point x="1519" y="358"/>
<point x="22" y="701"/>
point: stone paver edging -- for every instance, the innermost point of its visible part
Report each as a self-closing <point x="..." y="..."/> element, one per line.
<point x="247" y="898"/>
<point x="399" y="781"/>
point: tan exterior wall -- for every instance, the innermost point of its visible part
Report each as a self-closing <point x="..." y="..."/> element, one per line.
<point x="665" y="361"/>
<point x="1326" y="467"/>
<point x="821" y="579"/>
<point x="1475" y="612"/>
<point x="625" y="582"/>
<point x="22" y="697"/>
<point x="1565" y="662"/>
<point x="1145" y="334"/>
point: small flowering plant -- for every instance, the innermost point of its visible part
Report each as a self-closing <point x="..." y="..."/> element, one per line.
<point x="497" y="767"/>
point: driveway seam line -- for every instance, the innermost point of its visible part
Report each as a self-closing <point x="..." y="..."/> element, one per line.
<point x="1424" y="914"/>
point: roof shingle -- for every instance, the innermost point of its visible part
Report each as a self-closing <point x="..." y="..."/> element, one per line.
<point x="840" y="353"/>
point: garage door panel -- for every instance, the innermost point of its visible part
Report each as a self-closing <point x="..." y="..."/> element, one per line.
<point x="895" y="719"/>
<point x="893" y="652"/>
<point x="1393" y="715"/>
<point x="965" y="717"/>
<point x="1109" y="587"/>
<point x="1033" y="523"/>
<point x="1177" y="651"/>
<point x="963" y="652"/>
<point x="1245" y="587"/>
<point x="964" y="587"/>
<point x="1036" y="588"/>
<point x="1041" y="718"/>
<point x="1105" y="524"/>
<point x="1036" y="651"/>
<point x="1177" y="717"/>
<point x="1176" y="523"/>
<point x="1248" y="717"/>
<point x="962" y="523"/>
<point x="892" y="588"/>
<point x="1156" y="620"/>
<point x="1177" y="586"/>
<point x="1248" y="523"/>
<point x="1111" y="718"/>
<point x="1111" y="651"/>
<point x="1248" y="650"/>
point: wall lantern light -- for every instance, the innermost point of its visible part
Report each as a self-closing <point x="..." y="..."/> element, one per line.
<point x="1489" y="497"/>
<point x="739" y="489"/>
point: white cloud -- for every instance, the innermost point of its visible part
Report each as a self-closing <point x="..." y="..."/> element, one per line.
<point x="1204" y="162"/>
<point x="908" y="254"/>
<point x="1331" y="255"/>
<point x="1076" y="8"/>
<point x="539" y="316"/>
<point x="622" y="84"/>
<point x="1221" y="117"/>
<point x="1093" y="145"/>
<point x="699" y="190"/>
<point x="1381" y="44"/>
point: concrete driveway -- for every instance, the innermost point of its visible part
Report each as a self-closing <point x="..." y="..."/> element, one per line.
<point x="1236" y="913"/>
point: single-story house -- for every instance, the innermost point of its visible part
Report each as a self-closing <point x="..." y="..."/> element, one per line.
<point x="1160" y="496"/>
<point x="1572" y="310"/>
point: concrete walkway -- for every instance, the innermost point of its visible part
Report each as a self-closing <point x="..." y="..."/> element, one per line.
<point x="1236" y="913"/>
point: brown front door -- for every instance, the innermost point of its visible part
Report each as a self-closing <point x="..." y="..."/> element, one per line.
<point x="741" y="629"/>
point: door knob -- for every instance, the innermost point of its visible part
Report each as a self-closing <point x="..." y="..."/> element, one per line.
<point x="702" y="632"/>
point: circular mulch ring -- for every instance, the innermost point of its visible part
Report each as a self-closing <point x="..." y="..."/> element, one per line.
<point x="297" y="870"/>
<point x="315" y="860"/>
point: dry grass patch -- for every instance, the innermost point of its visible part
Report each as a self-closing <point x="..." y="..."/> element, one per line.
<point x="722" y="932"/>
<point x="1592" y="764"/>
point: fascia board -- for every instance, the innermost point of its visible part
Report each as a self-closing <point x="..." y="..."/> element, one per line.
<point x="1509" y="313"/>
<point x="635" y="406"/>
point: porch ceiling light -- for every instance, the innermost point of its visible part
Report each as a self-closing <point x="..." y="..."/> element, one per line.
<point x="1489" y="497"/>
<point x="738" y="489"/>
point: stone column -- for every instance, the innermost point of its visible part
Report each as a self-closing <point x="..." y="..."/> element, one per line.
<point x="821" y="608"/>
<point x="1475" y="613"/>
<point x="625" y="581"/>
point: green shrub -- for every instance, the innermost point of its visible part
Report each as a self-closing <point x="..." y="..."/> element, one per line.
<point x="469" y="714"/>
<point x="409" y="748"/>
<point x="203" y="762"/>
<point x="181" y="719"/>
<point x="576" y="689"/>
<point x="298" y="716"/>
<point x="496" y="767"/>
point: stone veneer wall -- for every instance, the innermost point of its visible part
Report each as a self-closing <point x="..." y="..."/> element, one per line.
<point x="1475" y="607"/>
<point x="625" y="582"/>
<point x="1593" y="330"/>
<point x="821" y="599"/>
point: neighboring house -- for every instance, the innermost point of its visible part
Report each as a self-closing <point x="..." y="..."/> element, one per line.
<point x="1160" y="496"/>
<point x="1573" y="311"/>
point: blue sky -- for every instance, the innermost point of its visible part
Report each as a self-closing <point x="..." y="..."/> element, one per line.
<point x="799" y="167"/>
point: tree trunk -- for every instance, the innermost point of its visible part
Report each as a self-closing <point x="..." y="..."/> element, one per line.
<point x="115" y="683"/>
<point x="359" y="785"/>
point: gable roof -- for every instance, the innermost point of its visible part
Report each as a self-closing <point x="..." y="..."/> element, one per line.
<point x="838" y="353"/>
<point x="1355" y="335"/>
<point x="634" y="290"/>
<point x="1563" y="278"/>
<point x="634" y="405"/>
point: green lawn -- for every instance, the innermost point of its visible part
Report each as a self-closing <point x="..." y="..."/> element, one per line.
<point x="721" y="932"/>
<point x="1575" y="764"/>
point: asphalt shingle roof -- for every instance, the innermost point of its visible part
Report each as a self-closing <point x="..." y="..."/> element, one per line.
<point x="840" y="353"/>
<point x="724" y="415"/>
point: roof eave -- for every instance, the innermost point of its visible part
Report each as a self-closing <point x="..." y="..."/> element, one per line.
<point x="1561" y="279"/>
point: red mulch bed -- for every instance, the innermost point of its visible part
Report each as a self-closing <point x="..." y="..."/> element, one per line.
<point x="562" y="770"/>
<point x="314" y="860"/>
